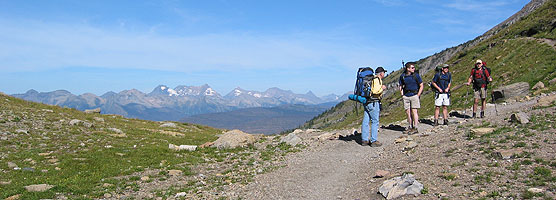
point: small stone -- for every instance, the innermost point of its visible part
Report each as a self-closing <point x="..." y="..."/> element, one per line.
<point x="539" y="85"/>
<point x="400" y="140"/>
<point x="520" y="118"/>
<point x="482" y="131"/>
<point x="483" y="193"/>
<point x="38" y="187"/>
<point x="14" y="197"/>
<point x="115" y="130"/>
<point x="145" y="178"/>
<point x="174" y="172"/>
<point x="120" y="154"/>
<point x="107" y="195"/>
<point x="22" y="131"/>
<point x="552" y="82"/>
<point x="96" y="110"/>
<point x="169" y="124"/>
<point x="57" y="168"/>
<point x="181" y="194"/>
<point x="5" y="182"/>
<point x="206" y="144"/>
<point x="45" y="154"/>
<point x="11" y="165"/>
<point x="507" y="154"/>
<point x="75" y="122"/>
<point x="106" y="185"/>
<point x="410" y="145"/>
<point x="44" y="170"/>
<point x="182" y="147"/>
<point x="381" y="173"/>
<point x="53" y="160"/>
<point x="98" y="119"/>
<point x="535" y="190"/>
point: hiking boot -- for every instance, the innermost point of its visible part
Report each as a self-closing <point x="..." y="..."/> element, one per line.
<point x="446" y="122"/>
<point x="474" y="115"/>
<point x="364" y="143"/>
<point x="375" y="144"/>
<point x="482" y="114"/>
<point x="412" y="131"/>
<point x="436" y="122"/>
<point x="407" y="130"/>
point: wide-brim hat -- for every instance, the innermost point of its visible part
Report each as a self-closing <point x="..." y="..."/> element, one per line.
<point x="479" y="61"/>
<point x="445" y="66"/>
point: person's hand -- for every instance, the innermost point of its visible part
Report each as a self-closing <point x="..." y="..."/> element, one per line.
<point x="489" y="79"/>
<point x="446" y="90"/>
<point x="384" y="87"/>
<point x="468" y="83"/>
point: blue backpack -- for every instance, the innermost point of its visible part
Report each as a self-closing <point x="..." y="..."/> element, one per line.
<point x="365" y="77"/>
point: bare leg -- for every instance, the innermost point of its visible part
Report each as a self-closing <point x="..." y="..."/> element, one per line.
<point x="475" y="105"/>
<point x="415" y="118"/>
<point x="436" y="112"/>
<point x="444" y="112"/>
<point x="409" y="121"/>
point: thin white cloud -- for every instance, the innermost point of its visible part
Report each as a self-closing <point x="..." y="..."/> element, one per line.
<point x="32" y="45"/>
<point x="473" y="5"/>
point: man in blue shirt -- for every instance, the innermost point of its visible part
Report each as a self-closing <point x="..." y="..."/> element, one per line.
<point x="441" y="84"/>
<point x="411" y="87"/>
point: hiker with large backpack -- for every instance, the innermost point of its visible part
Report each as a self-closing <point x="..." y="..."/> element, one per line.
<point x="368" y="91"/>
<point x="480" y="77"/>
<point x="441" y="83"/>
<point x="411" y="87"/>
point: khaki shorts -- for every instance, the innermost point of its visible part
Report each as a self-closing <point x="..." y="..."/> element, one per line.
<point x="412" y="101"/>
<point x="480" y="94"/>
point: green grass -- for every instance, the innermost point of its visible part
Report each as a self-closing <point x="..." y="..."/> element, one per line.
<point x="82" y="159"/>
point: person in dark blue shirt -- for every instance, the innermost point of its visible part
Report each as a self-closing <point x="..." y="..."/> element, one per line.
<point x="441" y="84"/>
<point x="411" y="87"/>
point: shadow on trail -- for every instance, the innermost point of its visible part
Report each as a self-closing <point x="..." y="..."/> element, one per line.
<point x="394" y="127"/>
<point x="426" y="121"/>
<point x="353" y="137"/>
<point x="459" y="115"/>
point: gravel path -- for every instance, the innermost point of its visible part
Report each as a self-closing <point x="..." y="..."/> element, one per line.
<point x="334" y="169"/>
<point x="343" y="169"/>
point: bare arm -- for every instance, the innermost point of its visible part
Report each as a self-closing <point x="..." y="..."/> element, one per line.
<point x="420" y="89"/>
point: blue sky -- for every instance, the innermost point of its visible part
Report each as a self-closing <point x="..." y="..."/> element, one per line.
<point x="303" y="45"/>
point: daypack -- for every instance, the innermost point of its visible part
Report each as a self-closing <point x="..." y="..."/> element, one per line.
<point x="365" y="76"/>
<point x="440" y="78"/>
<point x="402" y="78"/>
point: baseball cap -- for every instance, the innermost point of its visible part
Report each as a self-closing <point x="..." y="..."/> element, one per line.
<point x="379" y="69"/>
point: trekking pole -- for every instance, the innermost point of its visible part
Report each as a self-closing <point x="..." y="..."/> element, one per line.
<point x="465" y="103"/>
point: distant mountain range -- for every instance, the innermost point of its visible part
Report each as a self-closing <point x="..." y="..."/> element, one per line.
<point x="165" y="103"/>
<point x="261" y="120"/>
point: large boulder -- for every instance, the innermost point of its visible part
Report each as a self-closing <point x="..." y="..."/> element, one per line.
<point x="400" y="186"/>
<point x="546" y="101"/>
<point x="233" y="139"/>
<point x="512" y="90"/>
<point x="291" y="139"/>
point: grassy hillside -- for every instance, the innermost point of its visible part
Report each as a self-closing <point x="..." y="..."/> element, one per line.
<point x="523" y="51"/>
<point x="108" y="155"/>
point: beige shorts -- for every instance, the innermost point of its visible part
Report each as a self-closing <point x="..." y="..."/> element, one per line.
<point x="412" y="101"/>
<point x="480" y="94"/>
